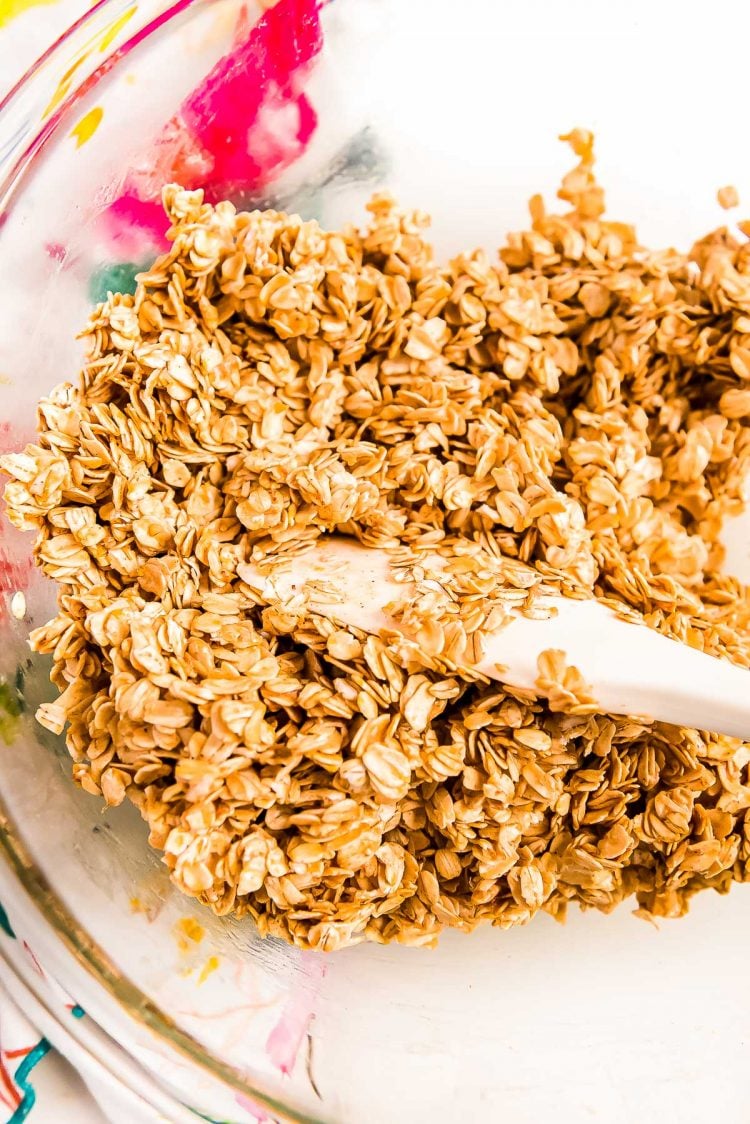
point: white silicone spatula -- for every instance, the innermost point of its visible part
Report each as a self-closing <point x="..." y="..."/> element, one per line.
<point x="630" y="668"/>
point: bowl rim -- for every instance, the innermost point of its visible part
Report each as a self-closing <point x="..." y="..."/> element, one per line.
<point x="31" y="115"/>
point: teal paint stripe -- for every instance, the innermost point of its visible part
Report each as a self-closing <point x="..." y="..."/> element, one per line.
<point x="21" y="1078"/>
<point x="5" y="923"/>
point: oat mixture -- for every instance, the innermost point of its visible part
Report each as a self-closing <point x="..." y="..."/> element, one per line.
<point x="575" y="412"/>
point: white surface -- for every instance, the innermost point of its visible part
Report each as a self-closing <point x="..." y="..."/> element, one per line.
<point x="661" y="84"/>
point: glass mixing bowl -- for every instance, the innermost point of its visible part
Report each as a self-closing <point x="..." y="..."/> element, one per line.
<point x="456" y="109"/>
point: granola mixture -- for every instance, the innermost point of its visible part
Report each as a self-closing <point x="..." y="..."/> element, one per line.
<point x="575" y="412"/>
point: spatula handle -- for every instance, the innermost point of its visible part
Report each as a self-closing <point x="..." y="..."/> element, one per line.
<point x="631" y="669"/>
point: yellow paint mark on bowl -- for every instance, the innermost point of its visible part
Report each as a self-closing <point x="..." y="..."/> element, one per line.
<point x="12" y="9"/>
<point x="114" y="29"/>
<point x="87" y="126"/>
<point x="210" y="966"/>
<point x="150" y="908"/>
<point x="102" y="39"/>
<point x="63" y="86"/>
<point x="192" y="929"/>
<point x="62" y="89"/>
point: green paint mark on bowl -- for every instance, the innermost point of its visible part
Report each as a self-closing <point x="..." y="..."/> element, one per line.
<point x="11" y="709"/>
<point x="115" y="277"/>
